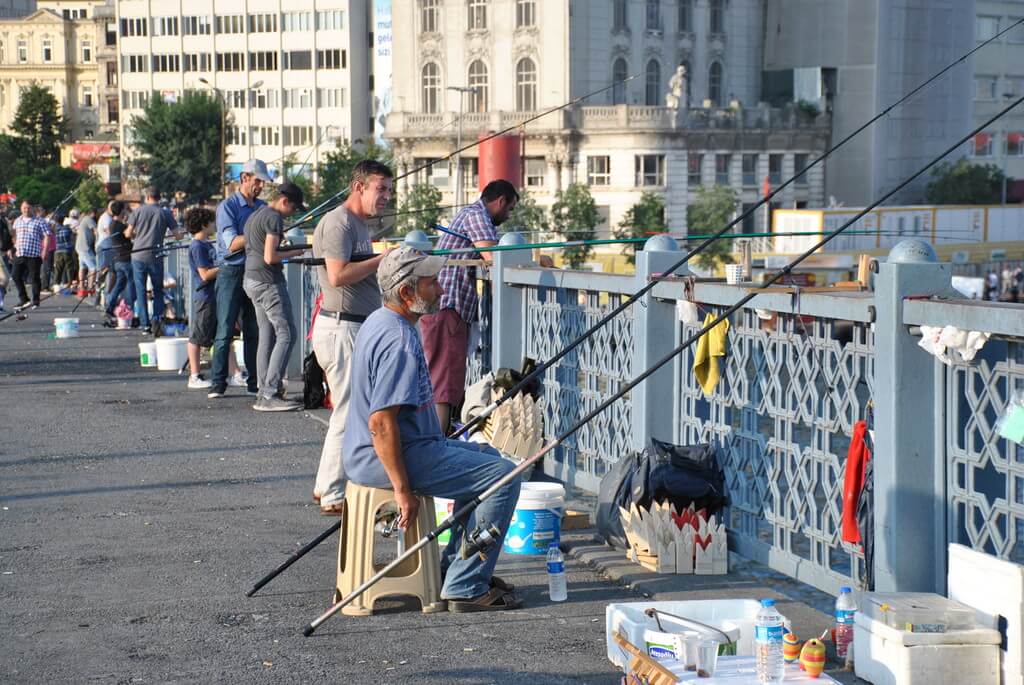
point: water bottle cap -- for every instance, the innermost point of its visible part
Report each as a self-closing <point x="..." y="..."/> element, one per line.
<point x="767" y="602"/>
<point x="553" y="545"/>
<point x="844" y="590"/>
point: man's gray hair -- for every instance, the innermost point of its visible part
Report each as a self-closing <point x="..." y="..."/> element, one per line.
<point x="392" y="296"/>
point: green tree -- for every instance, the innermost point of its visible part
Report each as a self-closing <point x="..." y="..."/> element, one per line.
<point x="40" y="125"/>
<point x="92" y="192"/>
<point x="708" y="213"/>
<point x="528" y="217"/>
<point x="644" y="218"/>
<point x="574" y="215"/>
<point x="48" y="187"/>
<point x="964" y="183"/>
<point x="180" y="143"/>
<point x="13" y="159"/>
<point x="336" y="169"/>
<point x="419" y="209"/>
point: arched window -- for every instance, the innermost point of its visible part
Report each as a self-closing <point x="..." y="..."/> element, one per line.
<point x="431" y="88"/>
<point x="430" y="16"/>
<point x="526" y="85"/>
<point x="652" y="93"/>
<point x="620" y="71"/>
<point x="715" y="84"/>
<point x="717" y="16"/>
<point x="478" y="79"/>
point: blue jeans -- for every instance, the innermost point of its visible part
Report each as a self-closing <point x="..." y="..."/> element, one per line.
<point x="155" y="271"/>
<point x="463" y="472"/>
<point x="124" y="284"/>
<point x="232" y="302"/>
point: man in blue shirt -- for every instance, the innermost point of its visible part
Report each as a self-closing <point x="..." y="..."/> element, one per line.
<point x="393" y="438"/>
<point x="232" y="214"/>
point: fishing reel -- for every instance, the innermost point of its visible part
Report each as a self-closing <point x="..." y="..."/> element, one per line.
<point x="481" y="541"/>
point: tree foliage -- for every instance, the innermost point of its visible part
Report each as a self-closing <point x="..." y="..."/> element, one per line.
<point x="40" y="125"/>
<point x="181" y="143"/>
<point x="336" y="169"/>
<point x="964" y="183"/>
<point x="574" y="215"/>
<point x="14" y="160"/>
<point x="92" y="192"/>
<point x="709" y="212"/>
<point x="527" y="217"/>
<point x="419" y="209"/>
<point x="643" y="219"/>
<point x="48" y="187"/>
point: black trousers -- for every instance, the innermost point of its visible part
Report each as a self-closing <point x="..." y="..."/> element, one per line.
<point x="27" y="267"/>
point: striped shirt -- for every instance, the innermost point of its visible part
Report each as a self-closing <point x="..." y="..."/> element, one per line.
<point x="459" y="283"/>
<point x="30" y="233"/>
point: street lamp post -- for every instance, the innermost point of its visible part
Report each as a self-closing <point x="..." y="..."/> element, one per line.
<point x="1005" y="142"/>
<point x="461" y="90"/>
<point x="223" y="126"/>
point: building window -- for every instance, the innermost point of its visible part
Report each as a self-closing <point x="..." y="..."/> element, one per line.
<point x="47" y="50"/>
<point x="113" y="111"/>
<point x="694" y="162"/>
<point x="110" y="40"/>
<point x="775" y="170"/>
<point x="1016" y="35"/>
<point x="478" y="79"/>
<point x="270" y="98"/>
<point x="1015" y="144"/>
<point x="650" y="170"/>
<point x="526" y="85"/>
<point x="330" y="97"/>
<point x="229" y="23"/>
<point x="263" y="23"/>
<point x="200" y="61"/>
<point x="599" y="170"/>
<point x="620" y="14"/>
<point x="86" y="52"/>
<point x="301" y="98"/>
<point x="715" y="84"/>
<point x="477" y="14"/>
<point x="799" y="164"/>
<point x="985" y="87"/>
<point x="112" y="74"/>
<point x="87" y="96"/>
<point x="717" y="12"/>
<point x="986" y="27"/>
<point x="431" y="88"/>
<point x="430" y="16"/>
<point x="265" y="60"/>
<point x="526" y="13"/>
<point x="3" y="53"/>
<point x="750" y="170"/>
<point x="164" y="63"/>
<point x="134" y="99"/>
<point x="652" y="90"/>
<point x="330" y="20"/>
<point x="297" y="21"/>
<point x="230" y="61"/>
<point x="133" y="27"/>
<point x="620" y="72"/>
<point x="722" y="163"/>
<point x="982" y="145"/>
<point x="331" y="59"/>
<point x="298" y="60"/>
<point x="685" y="15"/>
<point x="134" y="64"/>
<point x="196" y="26"/>
<point x="165" y="26"/>
<point x="535" y="167"/>
<point x="653" y="15"/>
<point x="298" y="135"/>
<point x="265" y="135"/>
<point x="22" y="52"/>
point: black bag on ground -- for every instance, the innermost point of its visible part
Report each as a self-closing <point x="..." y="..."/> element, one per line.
<point x="664" y="473"/>
<point x="313" y="393"/>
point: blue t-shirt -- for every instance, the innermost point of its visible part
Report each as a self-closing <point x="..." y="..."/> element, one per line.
<point x="388" y="370"/>
<point x="65" y="239"/>
<point x="232" y="214"/>
<point x="201" y="253"/>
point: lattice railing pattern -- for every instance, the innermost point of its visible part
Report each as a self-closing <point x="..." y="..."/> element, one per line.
<point x="985" y="472"/>
<point x="310" y="291"/>
<point x="478" y="360"/>
<point x="782" y="417"/>
<point x="585" y="377"/>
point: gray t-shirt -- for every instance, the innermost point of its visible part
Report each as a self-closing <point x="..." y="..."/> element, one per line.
<point x="85" y="243"/>
<point x="339" y="235"/>
<point x="264" y="221"/>
<point x="151" y="224"/>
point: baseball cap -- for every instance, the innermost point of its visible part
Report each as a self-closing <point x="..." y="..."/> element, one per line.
<point x="259" y="168"/>
<point x="293" y="193"/>
<point x="74" y="213"/>
<point x="406" y="261"/>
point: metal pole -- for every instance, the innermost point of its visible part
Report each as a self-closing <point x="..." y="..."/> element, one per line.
<point x="458" y="157"/>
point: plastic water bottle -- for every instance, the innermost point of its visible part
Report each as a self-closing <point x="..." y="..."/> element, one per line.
<point x="768" y="632"/>
<point x="846" y="607"/>
<point x="557" y="589"/>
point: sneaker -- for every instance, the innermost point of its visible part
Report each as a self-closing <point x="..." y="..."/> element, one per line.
<point x="216" y="392"/>
<point x="252" y="390"/>
<point x="275" y="404"/>
<point x="197" y="382"/>
<point x="238" y="381"/>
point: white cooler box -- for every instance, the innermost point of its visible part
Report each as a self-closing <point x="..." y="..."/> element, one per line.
<point x="885" y="653"/>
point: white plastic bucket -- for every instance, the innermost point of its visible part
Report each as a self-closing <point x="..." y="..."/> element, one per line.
<point x="239" y="352"/>
<point x="171" y="353"/>
<point x="537" y="521"/>
<point x="733" y="273"/>
<point x="124" y="324"/>
<point x="65" y="328"/>
<point x="443" y="507"/>
<point x="147" y="354"/>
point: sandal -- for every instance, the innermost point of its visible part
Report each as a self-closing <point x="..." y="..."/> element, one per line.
<point x="492" y="600"/>
<point x="502" y="584"/>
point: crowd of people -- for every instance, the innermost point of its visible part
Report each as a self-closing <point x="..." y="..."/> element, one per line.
<point x="1006" y="288"/>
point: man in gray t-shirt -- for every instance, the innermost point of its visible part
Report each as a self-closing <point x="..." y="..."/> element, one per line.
<point x="350" y="293"/>
<point x="264" y="222"/>
<point x="146" y="229"/>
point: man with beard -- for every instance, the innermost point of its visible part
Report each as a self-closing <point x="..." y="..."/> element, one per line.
<point x="348" y="282"/>
<point x="393" y="438"/>
<point x="446" y="334"/>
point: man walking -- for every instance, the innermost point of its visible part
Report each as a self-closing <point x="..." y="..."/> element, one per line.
<point x="266" y="287"/>
<point x="231" y="299"/>
<point x="30" y="238"/>
<point x="85" y="246"/>
<point x="446" y="334"/>
<point x="350" y="294"/>
<point x="147" y="227"/>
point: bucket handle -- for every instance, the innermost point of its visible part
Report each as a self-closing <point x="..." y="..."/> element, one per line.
<point x="653" y="613"/>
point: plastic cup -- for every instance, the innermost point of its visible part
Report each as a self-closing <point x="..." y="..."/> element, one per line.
<point x="707" y="658"/>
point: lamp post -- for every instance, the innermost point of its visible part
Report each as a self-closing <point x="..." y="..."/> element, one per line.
<point x="223" y="125"/>
<point x="461" y="90"/>
<point x="1006" y="146"/>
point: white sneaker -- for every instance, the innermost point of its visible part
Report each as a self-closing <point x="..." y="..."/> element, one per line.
<point x="197" y="382"/>
<point x="237" y="381"/>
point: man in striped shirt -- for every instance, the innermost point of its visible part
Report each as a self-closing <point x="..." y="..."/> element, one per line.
<point x="31" y="240"/>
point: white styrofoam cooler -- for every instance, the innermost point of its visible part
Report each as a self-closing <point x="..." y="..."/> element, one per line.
<point x="884" y="655"/>
<point x="995" y="588"/>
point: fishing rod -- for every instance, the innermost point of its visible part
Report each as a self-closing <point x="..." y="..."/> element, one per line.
<point x="468" y="508"/>
<point x="529" y="378"/>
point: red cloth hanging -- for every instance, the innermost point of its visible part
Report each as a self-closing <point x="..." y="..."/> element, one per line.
<point x="857" y="459"/>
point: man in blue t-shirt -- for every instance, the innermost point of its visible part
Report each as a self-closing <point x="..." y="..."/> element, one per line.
<point x="393" y="438"/>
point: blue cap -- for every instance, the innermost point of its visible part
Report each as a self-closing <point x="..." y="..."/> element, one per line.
<point x="844" y="590"/>
<point x="767" y="602"/>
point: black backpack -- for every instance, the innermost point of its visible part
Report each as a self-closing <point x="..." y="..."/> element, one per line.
<point x="313" y="393"/>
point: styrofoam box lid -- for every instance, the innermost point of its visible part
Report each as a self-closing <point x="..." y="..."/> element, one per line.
<point x="919" y="607"/>
<point x="972" y="636"/>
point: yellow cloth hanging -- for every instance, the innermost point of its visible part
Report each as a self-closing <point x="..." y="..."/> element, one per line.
<point x="710" y="347"/>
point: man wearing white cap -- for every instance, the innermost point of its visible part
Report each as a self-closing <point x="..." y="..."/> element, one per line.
<point x="232" y="214"/>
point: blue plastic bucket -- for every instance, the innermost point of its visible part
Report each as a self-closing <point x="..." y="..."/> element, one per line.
<point x="537" y="521"/>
